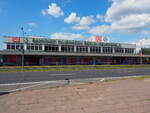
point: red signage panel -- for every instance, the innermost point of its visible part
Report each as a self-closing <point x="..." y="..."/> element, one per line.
<point x="98" y="39"/>
<point x="16" y="39"/>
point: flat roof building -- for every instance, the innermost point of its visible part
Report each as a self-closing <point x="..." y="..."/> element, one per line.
<point x="42" y="51"/>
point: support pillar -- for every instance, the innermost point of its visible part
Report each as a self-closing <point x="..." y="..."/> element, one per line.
<point x="25" y="47"/>
<point x="88" y="49"/>
<point x="5" y="46"/>
<point x="124" y="51"/>
<point x="75" y="49"/>
<point x="141" y="62"/>
<point x="43" y="47"/>
<point x="59" y="48"/>
<point x="113" y="51"/>
<point x="101" y="49"/>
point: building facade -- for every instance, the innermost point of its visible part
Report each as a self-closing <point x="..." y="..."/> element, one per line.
<point x="41" y="51"/>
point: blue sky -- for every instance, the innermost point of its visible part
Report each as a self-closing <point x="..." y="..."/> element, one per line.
<point x="121" y="20"/>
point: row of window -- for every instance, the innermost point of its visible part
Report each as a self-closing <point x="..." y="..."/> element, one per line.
<point x="84" y="49"/>
<point x="34" y="47"/>
<point x="69" y="48"/>
<point x="17" y="46"/>
<point x="14" y="46"/>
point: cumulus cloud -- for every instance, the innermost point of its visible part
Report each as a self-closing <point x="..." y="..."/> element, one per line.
<point x="81" y="27"/>
<point x="87" y="20"/>
<point x="99" y="30"/>
<point x="132" y="23"/>
<point x="82" y="21"/>
<point x="129" y="15"/>
<point x="72" y="18"/>
<point x="67" y="36"/>
<point x="100" y="17"/>
<point x="53" y="10"/>
<point x="144" y="32"/>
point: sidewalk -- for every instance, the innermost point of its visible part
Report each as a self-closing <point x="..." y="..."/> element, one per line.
<point x="119" y="96"/>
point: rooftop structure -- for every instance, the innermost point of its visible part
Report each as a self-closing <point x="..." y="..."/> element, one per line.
<point x="74" y="46"/>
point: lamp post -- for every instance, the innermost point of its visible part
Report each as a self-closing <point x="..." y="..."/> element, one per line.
<point x="22" y="49"/>
<point x="141" y="53"/>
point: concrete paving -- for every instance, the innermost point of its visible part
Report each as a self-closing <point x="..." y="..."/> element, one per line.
<point x="119" y="96"/>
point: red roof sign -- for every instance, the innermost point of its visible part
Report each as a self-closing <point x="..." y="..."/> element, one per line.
<point x="98" y="39"/>
<point x="15" y="39"/>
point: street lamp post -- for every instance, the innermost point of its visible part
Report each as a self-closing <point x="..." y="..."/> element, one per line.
<point x="23" y="46"/>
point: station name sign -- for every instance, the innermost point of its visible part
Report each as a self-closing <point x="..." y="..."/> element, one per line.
<point x="74" y="42"/>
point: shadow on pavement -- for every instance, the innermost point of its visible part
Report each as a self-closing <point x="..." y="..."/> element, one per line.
<point x="4" y="93"/>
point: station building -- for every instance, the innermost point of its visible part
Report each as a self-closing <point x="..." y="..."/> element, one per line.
<point x="43" y="51"/>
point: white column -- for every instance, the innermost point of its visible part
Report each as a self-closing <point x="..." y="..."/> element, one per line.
<point x="124" y="50"/>
<point x="75" y="49"/>
<point x="59" y="48"/>
<point x="5" y="46"/>
<point x="43" y="47"/>
<point x="25" y="46"/>
<point x="101" y="49"/>
<point x="113" y="51"/>
<point x="88" y="49"/>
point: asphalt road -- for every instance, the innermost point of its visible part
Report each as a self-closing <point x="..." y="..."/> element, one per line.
<point x="23" y="77"/>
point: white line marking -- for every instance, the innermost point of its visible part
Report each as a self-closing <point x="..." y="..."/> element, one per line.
<point x="26" y="83"/>
<point x="58" y="81"/>
<point x="63" y="74"/>
<point x="27" y="87"/>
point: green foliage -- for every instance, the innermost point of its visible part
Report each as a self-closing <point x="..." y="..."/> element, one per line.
<point x="68" y="68"/>
<point x="145" y="51"/>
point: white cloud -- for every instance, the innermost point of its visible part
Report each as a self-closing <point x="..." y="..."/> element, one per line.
<point x="145" y="42"/>
<point x="87" y="20"/>
<point x="35" y="37"/>
<point x="132" y="23"/>
<point x="67" y="36"/>
<point x="44" y="12"/>
<point x="32" y="24"/>
<point x="99" y="30"/>
<point x="53" y="10"/>
<point x="72" y="18"/>
<point x="80" y="27"/>
<point x="129" y="15"/>
<point x="144" y="32"/>
<point x="82" y="21"/>
<point x="100" y="17"/>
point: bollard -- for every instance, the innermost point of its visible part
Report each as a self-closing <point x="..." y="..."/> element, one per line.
<point x="68" y="80"/>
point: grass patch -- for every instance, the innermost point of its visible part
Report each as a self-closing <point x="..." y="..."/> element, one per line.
<point x="68" y="68"/>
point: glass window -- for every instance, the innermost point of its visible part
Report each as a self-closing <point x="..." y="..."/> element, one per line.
<point x="119" y="50"/>
<point x="40" y="47"/>
<point x="8" y="46"/>
<point x="82" y="49"/>
<point x="12" y="46"/>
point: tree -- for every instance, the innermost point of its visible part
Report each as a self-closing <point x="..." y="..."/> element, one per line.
<point x="145" y="51"/>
